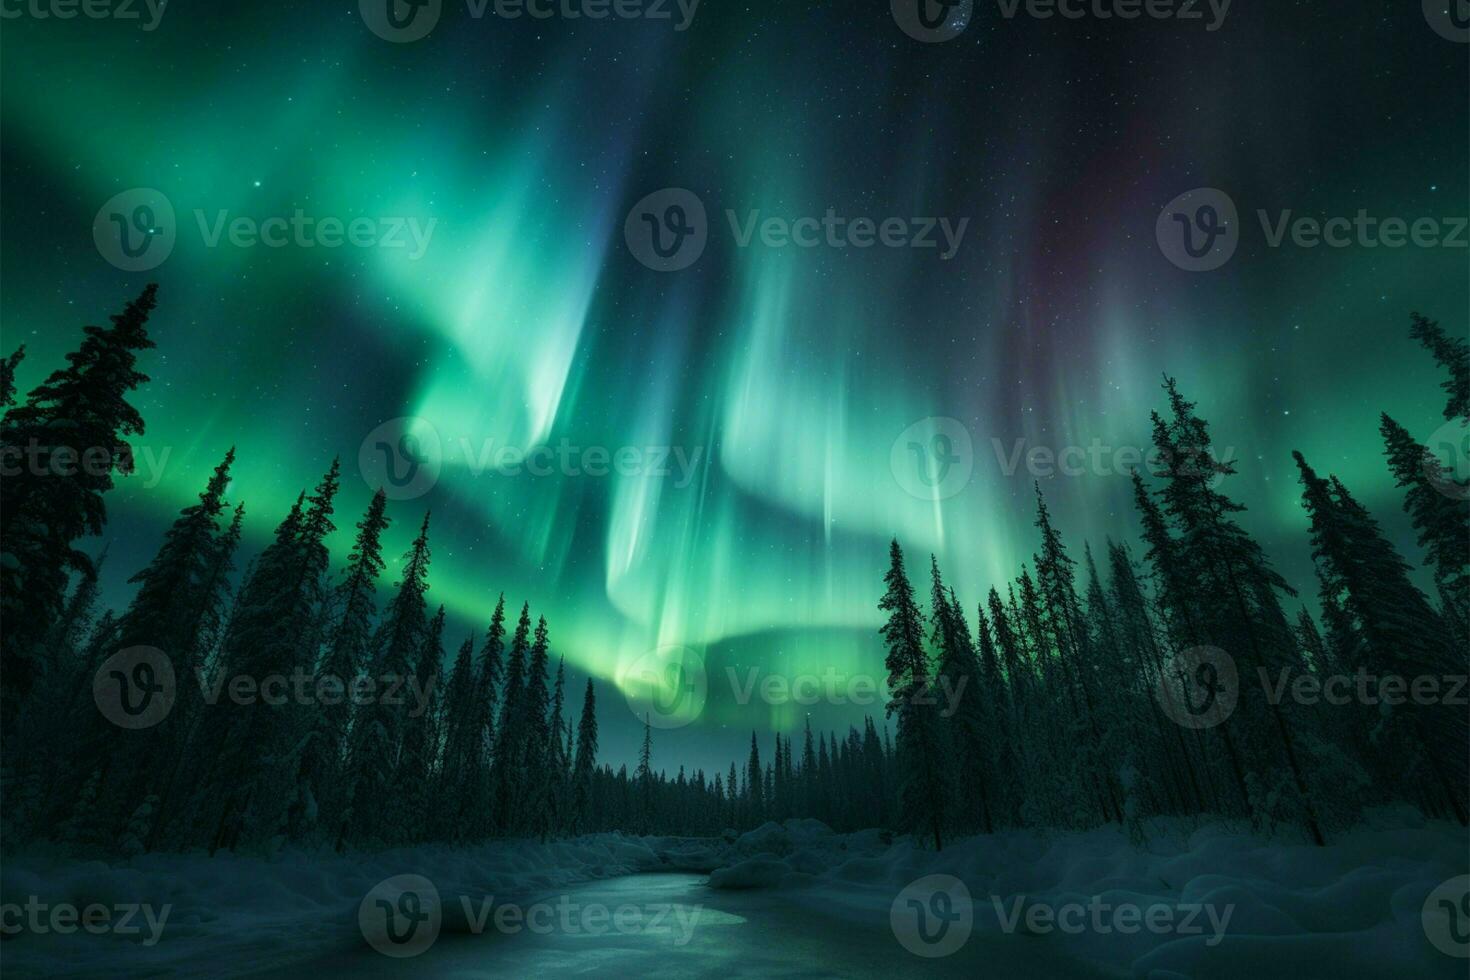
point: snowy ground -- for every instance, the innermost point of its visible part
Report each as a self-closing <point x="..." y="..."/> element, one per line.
<point x="1205" y="902"/>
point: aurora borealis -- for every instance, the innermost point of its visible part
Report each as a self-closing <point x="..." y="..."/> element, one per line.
<point x="792" y="371"/>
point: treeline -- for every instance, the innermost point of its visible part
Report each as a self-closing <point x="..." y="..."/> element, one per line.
<point x="846" y="783"/>
<point x="1069" y="678"/>
<point x="489" y="750"/>
<point x="1069" y="727"/>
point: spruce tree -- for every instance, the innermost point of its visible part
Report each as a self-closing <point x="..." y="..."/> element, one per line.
<point x="509" y="777"/>
<point x="379" y="731"/>
<point x="586" y="761"/>
<point x="644" y="777"/>
<point x="1400" y="635"/>
<point x="7" y="375"/>
<point x="346" y="656"/>
<point x="479" y="802"/>
<point x="1438" y="506"/>
<point x="1452" y="354"/>
<point x="72" y="434"/>
<point x="923" y="789"/>
<point x="180" y="594"/>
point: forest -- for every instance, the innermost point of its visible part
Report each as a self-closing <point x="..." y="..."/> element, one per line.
<point x="1147" y="678"/>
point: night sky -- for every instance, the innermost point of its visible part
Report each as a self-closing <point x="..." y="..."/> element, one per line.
<point x="792" y="371"/>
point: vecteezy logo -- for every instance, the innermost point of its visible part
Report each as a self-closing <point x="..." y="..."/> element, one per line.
<point x="933" y="459"/>
<point x="401" y="21"/>
<point x="135" y="688"/>
<point x="402" y="457"/>
<point x="932" y="21"/>
<point x="1197" y="688"/>
<point x="401" y="916"/>
<point x="1446" y="917"/>
<point x="667" y="686"/>
<point x="1445" y="456"/>
<point x="1449" y="18"/>
<point x="1199" y="230"/>
<point x="667" y="230"/>
<point x="933" y="916"/>
<point x="135" y="230"/>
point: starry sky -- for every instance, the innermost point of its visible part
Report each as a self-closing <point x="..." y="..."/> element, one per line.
<point x="527" y="320"/>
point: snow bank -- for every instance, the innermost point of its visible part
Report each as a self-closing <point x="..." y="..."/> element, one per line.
<point x="239" y="914"/>
<point x="1352" y="909"/>
<point x="1229" y="904"/>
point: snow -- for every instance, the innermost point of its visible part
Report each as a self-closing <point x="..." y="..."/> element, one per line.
<point x="1350" y="909"/>
<point x="254" y="913"/>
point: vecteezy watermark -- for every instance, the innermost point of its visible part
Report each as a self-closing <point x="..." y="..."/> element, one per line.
<point x="147" y="12"/>
<point x="837" y="688"/>
<point x="932" y="21"/>
<point x="1364" y="688"/>
<point x="1446" y="917"/>
<point x="137" y="230"/>
<point x="1200" y="687"/>
<point x="933" y="916"/>
<point x="667" y="686"/>
<point x="403" y="915"/>
<point x="302" y="230"/>
<point x="309" y="688"/>
<point x="670" y="686"/>
<point x="406" y="456"/>
<point x="1197" y="688"/>
<point x="833" y="230"/>
<point x="402" y="21"/>
<point x="39" y="917"/>
<point x="135" y="687"/>
<point x="1445" y="456"/>
<point x="402" y="457"/>
<point x="1449" y="18"/>
<point x="1106" y="918"/>
<point x="668" y="230"/>
<point x="37" y="459"/>
<point x="1200" y="230"/>
<point x="933" y="459"/>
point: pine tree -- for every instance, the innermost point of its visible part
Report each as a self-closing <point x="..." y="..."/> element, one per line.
<point x="1400" y="635"/>
<point x="1438" y="506"/>
<point x="508" y="776"/>
<point x="809" y="787"/>
<point x="755" y="786"/>
<point x="1236" y="607"/>
<point x="480" y="801"/>
<point x="957" y="675"/>
<point x="72" y="432"/>
<point x="461" y="747"/>
<point x="923" y="789"/>
<point x="417" y="772"/>
<point x="7" y="375"/>
<point x="1452" y="354"/>
<point x="380" y="729"/>
<point x="536" y="734"/>
<point x="556" y="757"/>
<point x="644" y="776"/>
<point x="346" y="656"/>
<point x="1063" y="617"/>
<point x="586" y="761"/>
<point x="180" y="596"/>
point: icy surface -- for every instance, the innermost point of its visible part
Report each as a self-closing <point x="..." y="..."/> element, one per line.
<point x="1352" y="909"/>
